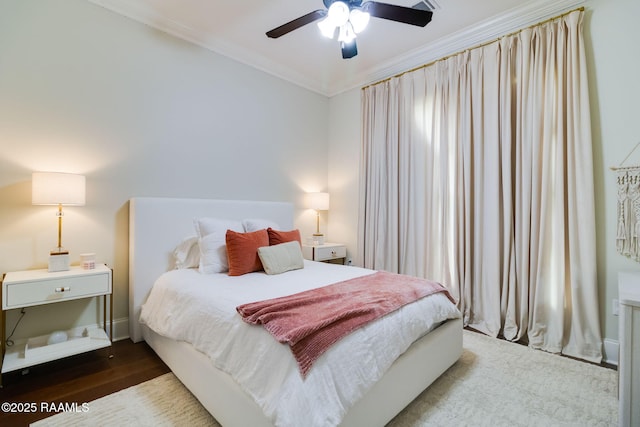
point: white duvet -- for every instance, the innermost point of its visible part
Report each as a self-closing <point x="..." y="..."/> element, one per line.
<point x="186" y="305"/>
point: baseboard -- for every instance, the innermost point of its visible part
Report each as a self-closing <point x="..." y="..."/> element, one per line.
<point x="611" y="351"/>
<point x="120" y="329"/>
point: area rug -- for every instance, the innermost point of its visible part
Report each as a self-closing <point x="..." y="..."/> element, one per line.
<point x="495" y="383"/>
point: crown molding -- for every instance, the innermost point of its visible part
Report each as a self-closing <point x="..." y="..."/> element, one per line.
<point x="508" y="22"/>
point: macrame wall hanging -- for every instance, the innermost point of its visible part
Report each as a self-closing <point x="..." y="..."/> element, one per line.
<point x="628" y="215"/>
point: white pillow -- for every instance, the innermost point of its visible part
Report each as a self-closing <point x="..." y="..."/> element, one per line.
<point x="212" y="242"/>
<point x="277" y="259"/>
<point x="187" y="253"/>
<point x="256" y="224"/>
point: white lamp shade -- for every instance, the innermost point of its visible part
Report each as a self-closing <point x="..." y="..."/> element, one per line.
<point x="318" y="201"/>
<point x="57" y="188"/>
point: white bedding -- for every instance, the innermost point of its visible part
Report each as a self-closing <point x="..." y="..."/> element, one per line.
<point x="186" y="305"/>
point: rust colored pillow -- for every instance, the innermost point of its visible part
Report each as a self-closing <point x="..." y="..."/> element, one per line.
<point x="276" y="237"/>
<point x="242" y="251"/>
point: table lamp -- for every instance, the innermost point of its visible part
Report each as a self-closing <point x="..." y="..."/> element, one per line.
<point x="318" y="202"/>
<point x="61" y="189"/>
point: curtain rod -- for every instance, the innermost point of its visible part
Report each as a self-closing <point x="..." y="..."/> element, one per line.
<point x="419" y="67"/>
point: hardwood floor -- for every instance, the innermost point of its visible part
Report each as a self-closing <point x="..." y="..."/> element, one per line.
<point x="77" y="379"/>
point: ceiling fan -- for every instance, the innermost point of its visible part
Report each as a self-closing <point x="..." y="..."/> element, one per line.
<point x="349" y="17"/>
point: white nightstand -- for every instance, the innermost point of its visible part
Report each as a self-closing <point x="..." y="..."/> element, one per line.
<point x="334" y="253"/>
<point x="30" y="288"/>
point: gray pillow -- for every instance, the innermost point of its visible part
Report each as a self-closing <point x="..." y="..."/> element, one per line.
<point x="277" y="259"/>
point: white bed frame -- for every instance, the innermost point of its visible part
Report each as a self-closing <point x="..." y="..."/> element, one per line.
<point x="157" y="225"/>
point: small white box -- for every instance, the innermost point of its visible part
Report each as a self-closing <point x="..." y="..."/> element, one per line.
<point x="88" y="261"/>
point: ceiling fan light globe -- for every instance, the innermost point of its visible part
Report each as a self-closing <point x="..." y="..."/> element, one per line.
<point x="327" y="28"/>
<point x="338" y="13"/>
<point x="359" y="20"/>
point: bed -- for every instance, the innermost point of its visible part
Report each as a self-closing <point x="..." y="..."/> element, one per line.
<point x="158" y="225"/>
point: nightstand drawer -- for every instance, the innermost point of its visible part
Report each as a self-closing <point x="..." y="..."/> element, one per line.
<point x="325" y="253"/>
<point x="23" y="294"/>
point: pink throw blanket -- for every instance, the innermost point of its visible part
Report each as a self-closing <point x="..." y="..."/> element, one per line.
<point x="311" y="321"/>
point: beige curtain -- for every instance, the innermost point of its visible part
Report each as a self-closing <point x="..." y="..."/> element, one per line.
<point x="477" y="171"/>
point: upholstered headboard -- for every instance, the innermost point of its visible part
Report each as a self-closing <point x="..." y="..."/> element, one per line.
<point x="157" y="225"/>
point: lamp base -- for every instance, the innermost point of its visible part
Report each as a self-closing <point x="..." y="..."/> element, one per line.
<point x="59" y="261"/>
<point x="318" y="239"/>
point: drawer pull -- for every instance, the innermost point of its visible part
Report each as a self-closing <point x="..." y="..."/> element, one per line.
<point x="65" y="289"/>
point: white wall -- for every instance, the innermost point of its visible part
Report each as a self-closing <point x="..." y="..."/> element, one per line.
<point x="344" y="156"/>
<point x="612" y="35"/>
<point x="140" y="113"/>
<point x="612" y="32"/>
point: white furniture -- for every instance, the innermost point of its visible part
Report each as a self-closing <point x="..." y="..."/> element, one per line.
<point x="21" y="289"/>
<point x="629" y="363"/>
<point x="327" y="252"/>
<point x="157" y="226"/>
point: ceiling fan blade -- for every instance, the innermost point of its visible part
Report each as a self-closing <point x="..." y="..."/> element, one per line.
<point x="349" y="50"/>
<point x="406" y="15"/>
<point x="296" y="23"/>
